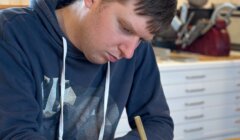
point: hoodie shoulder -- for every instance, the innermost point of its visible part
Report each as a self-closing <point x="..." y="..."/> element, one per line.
<point x="9" y="13"/>
<point x="12" y="18"/>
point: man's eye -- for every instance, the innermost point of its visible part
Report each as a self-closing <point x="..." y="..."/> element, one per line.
<point x="142" y="40"/>
<point x="127" y="30"/>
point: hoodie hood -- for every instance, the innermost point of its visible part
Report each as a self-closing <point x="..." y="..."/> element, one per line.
<point x="45" y="9"/>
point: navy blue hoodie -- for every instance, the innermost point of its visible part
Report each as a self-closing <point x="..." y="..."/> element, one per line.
<point x="31" y="62"/>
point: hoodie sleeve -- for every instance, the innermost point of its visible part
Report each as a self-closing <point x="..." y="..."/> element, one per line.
<point x="147" y="100"/>
<point x="19" y="109"/>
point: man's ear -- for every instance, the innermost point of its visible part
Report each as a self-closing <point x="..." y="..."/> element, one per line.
<point x="89" y="3"/>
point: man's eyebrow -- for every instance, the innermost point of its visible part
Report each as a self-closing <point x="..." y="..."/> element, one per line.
<point x="130" y="27"/>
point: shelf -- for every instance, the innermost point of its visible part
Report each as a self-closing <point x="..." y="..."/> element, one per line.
<point x="8" y="6"/>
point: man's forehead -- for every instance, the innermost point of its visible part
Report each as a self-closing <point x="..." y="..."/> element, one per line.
<point x="136" y="22"/>
<point x="141" y="28"/>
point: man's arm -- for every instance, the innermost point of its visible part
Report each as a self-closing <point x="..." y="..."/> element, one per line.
<point x="19" y="110"/>
<point x="147" y="100"/>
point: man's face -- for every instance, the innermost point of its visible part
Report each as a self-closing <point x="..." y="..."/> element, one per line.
<point x="112" y="31"/>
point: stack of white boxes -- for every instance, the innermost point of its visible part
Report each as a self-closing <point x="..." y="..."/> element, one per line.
<point x="204" y="99"/>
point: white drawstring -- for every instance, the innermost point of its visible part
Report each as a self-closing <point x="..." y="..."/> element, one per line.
<point x="105" y="102"/>
<point x="62" y="91"/>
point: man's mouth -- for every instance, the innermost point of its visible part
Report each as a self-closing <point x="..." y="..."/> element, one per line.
<point x="112" y="58"/>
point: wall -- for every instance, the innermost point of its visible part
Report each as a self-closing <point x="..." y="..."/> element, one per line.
<point x="234" y="30"/>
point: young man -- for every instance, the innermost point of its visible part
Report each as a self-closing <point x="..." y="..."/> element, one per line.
<point x="68" y="68"/>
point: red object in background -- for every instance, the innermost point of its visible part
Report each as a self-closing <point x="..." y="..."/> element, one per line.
<point x="215" y="42"/>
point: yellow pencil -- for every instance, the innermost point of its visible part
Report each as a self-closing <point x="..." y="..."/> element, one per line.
<point x="140" y="128"/>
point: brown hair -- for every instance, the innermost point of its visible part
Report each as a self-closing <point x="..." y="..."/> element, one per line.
<point x="160" y="11"/>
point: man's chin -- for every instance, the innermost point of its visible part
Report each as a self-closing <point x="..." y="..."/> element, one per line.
<point x="98" y="61"/>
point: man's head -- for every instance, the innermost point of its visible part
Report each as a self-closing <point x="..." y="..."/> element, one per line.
<point x="108" y="30"/>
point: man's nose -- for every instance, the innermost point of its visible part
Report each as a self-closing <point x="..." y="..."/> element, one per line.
<point x="128" y="47"/>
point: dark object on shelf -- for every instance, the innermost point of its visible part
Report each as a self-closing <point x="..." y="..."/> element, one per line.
<point x="164" y="44"/>
<point x="199" y="14"/>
